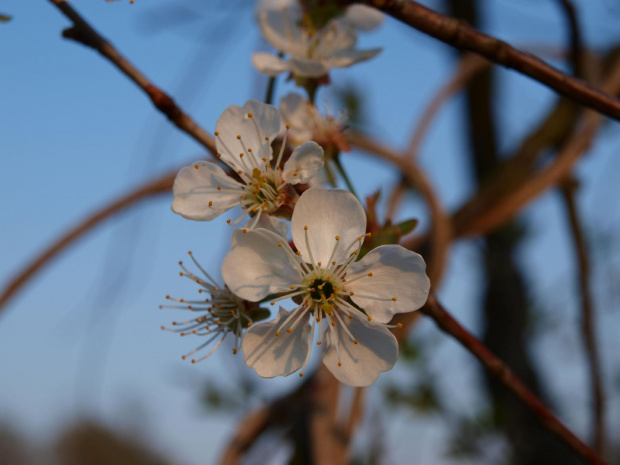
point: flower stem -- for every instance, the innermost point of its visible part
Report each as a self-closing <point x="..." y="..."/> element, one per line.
<point x="344" y="175"/>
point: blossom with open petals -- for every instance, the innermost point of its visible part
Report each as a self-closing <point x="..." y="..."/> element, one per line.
<point x="219" y="314"/>
<point x="307" y="124"/>
<point x="352" y="299"/>
<point x="311" y="53"/>
<point x="243" y="137"/>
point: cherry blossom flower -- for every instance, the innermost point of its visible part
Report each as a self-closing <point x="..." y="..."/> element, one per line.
<point x="353" y="299"/>
<point x="219" y="314"/>
<point x="312" y="53"/>
<point x="307" y="124"/>
<point x="243" y="137"/>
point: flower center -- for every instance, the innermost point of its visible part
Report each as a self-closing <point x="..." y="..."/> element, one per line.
<point x="321" y="290"/>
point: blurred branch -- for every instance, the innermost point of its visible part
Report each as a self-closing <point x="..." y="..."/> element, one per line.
<point x="250" y="427"/>
<point x="83" y="33"/>
<point x="459" y="34"/>
<point x="160" y="185"/>
<point x="440" y="224"/>
<point x="568" y="188"/>
<point x="469" y="66"/>
<point x="495" y="366"/>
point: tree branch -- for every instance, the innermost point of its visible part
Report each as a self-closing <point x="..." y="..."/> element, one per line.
<point x="160" y="185"/>
<point x="459" y="34"/>
<point x="505" y="375"/>
<point x="588" y="332"/>
<point x="83" y="33"/>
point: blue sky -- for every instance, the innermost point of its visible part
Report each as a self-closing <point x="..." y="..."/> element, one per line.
<point x="83" y="337"/>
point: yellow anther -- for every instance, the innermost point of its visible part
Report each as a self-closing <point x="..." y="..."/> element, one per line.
<point x="279" y="244"/>
<point x="218" y="155"/>
<point x="370" y="274"/>
<point x="228" y="220"/>
<point x="240" y="155"/>
<point x="234" y="351"/>
<point x="289" y="330"/>
<point x="238" y="137"/>
<point x="368" y="234"/>
<point x="337" y="238"/>
<point x="272" y="303"/>
<point x="240" y="172"/>
<point x="277" y="333"/>
<point x="305" y="228"/>
<point x="356" y="341"/>
<point x="339" y="364"/>
<point x="369" y="318"/>
<point x="295" y="174"/>
<point x="266" y="138"/>
<point x="400" y="325"/>
<point x="301" y="375"/>
<point x="319" y="263"/>
<point x="250" y="115"/>
<point x="245" y="230"/>
<point x="318" y="343"/>
<point x="394" y="299"/>
<point x="288" y="126"/>
<point x="351" y="293"/>
<point x="217" y="133"/>
<point x="292" y="286"/>
<point x="249" y="324"/>
<point x="298" y="252"/>
<point x="264" y="159"/>
<point x="196" y="166"/>
<point x="333" y="263"/>
<point x="351" y="315"/>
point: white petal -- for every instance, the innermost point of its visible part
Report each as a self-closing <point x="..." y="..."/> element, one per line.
<point x="256" y="267"/>
<point x="363" y="17"/>
<point x="396" y="272"/>
<point x="281" y="28"/>
<point x="305" y="161"/>
<point x="269" y="64"/>
<point x="327" y="213"/>
<point x="299" y="114"/>
<point x="307" y="67"/>
<point x="337" y="35"/>
<point x="234" y="122"/>
<point x="344" y="58"/>
<point x="272" y="355"/>
<point x="362" y="363"/>
<point x="197" y="185"/>
<point x="270" y="223"/>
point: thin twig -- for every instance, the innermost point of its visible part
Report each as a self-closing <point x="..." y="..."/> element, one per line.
<point x="505" y="375"/>
<point x="459" y="34"/>
<point x="160" y="185"/>
<point x="588" y="332"/>
<point x="83" y="33"/>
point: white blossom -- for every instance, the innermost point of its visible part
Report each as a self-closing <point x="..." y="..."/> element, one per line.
<point x="219" y="313"/>
<point x="305" y="121"/>
<point x="352" y="300"/>
<point x="243" y="136"/>
<point x="311" y="53"/>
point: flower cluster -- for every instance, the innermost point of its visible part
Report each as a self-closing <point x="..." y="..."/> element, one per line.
<point x="344" y="295"/>
<point x="311" y="51"/>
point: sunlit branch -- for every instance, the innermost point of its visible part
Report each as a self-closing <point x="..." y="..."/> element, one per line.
<point x="505" y="375"/>
<point x="82" y="32"/>
<point x="459" y="34"/>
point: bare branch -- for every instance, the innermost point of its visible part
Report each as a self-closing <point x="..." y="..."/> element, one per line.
<point x="588" y="332"/>
<point x="459" y="34"/>
<point x="160" y="185"/>
<point x="505" y="375"/>
<point x="82" y="32"/>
